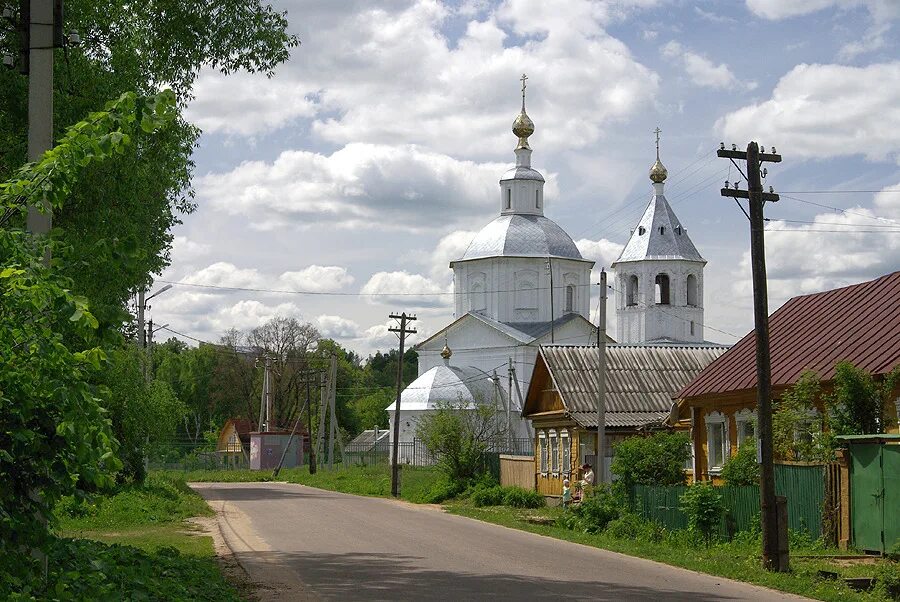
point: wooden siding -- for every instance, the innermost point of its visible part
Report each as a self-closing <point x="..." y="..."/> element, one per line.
<point x="550" y="483"/>
<point x="517" y="471"/>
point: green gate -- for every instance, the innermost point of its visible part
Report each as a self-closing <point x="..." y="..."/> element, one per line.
<point x="875" y="496"/>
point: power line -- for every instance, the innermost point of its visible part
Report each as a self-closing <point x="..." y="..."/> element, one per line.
<point x="839" y="191"/>
<point x="839" y="210"/>
<point x="797" y="221"/>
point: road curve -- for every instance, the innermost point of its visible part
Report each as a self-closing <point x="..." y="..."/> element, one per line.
<point x="310" y="544"/>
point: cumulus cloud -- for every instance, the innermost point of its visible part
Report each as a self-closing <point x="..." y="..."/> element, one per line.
<point x="358" y="186"/>
<point x="407" y="290"/>
<point x="837" y="249"/>
<point x="825" y="111"/>
<point x="223" y="273"/>
<point x="872" y="40"/>
<point x="779" y="9"/>
<point x="602" y="251"/>
<point x="700" y="69"/>
<point x="450" y="248"/>
<point x="391" y="73"/>
<point x="336" y="327"/>
<point x="317" y="278"/>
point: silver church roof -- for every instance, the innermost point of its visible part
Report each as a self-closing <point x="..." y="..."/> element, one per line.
<point x="522" y="236"/>
<point x="659" y="235"/>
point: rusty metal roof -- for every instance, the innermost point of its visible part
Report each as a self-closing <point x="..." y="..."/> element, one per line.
<point x="641" y="380"/>
<point x="858" y="323"/>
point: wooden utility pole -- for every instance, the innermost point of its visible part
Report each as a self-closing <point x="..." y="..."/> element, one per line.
<point x="601" y="382"/>
<point x="332" y="418"/>
<point x="773" y="560"/>
<point x="402" y="331"/>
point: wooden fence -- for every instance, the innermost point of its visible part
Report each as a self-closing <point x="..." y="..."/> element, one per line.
<point x="517" y="470"/>
<point x="804" y="487"/>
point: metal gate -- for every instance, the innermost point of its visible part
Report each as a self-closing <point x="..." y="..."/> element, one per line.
<point x="875" y="496"/>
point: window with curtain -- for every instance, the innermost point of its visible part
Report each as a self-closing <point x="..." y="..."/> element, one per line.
<point x="716" y="441"/>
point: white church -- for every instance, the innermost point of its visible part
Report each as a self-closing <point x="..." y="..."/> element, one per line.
<point x="523" y="283"/>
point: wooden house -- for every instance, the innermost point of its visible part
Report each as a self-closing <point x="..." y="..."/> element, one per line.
<point x="233" y="443"/>
<point x="641" y="381"/>
<point x="859" y="324"/>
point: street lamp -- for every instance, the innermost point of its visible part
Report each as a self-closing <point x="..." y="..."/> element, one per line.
<point x="141" y="307"/>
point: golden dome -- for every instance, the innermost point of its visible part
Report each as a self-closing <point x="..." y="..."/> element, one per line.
<point x="658" y="172"/>
<point x="523" y="127"/>
<point x="446" y="352"/>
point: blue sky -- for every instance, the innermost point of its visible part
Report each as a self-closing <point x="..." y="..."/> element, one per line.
<point x="372" y="157"/>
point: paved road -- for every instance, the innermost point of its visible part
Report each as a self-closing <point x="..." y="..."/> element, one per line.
<point x="313" y="544"/>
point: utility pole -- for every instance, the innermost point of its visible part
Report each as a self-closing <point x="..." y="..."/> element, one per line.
<point x="601" y="382"/>
<point x="772" y="559"/>
<point x="267" y="391"/>
<point x="312" y="449"/>
<point x="402" y="331"/>
<point x="332" y="424"/>
<point x="40" y="20"/>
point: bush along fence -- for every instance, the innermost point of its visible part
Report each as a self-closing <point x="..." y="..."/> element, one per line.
<point x="804" y="487"/>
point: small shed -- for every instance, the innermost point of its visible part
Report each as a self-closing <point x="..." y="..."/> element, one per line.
<point x="266" y="449"/>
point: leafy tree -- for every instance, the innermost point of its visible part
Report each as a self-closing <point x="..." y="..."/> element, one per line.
<point x="458" y="435"/>
<point x="128" y="207"/>
<point x="857" y="404"/>
<point x="655" y="460"/>
<point x="742" y="468"/>
<point x="55" y="438"/>
<point x="796" y="431"/>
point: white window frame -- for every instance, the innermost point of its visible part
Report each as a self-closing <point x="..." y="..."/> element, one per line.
<point x="742" y="419"/>
<point x="716" y="420"/>
<point x="813" y="417"/>
<point x="565" y="448"/>
<point x="570" y="297"/>
<point x="542" y="438"/>
<point x="554" y="453"/>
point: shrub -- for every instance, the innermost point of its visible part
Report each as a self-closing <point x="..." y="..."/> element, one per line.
<point x="517" y="497"/>
<point x="593" y="514"/>
<point x="703" y="506"/>
<point x="488" y="496"/>
<point x="655" y="460"/>
<point x="742" y="469"/>
<point x="439" y="491"/>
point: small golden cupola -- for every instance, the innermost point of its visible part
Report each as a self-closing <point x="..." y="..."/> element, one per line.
<point x="446" y="352"/>
<point x="523" y="126"/>
<point x="658" y="171"/>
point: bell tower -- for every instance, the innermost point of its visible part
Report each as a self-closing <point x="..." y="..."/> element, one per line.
<point x="659" y="275"/>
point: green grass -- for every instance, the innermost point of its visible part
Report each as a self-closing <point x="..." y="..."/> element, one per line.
<point x="736" y="560"/>
<point x="131" y="544"/>
<point x="416" y="483"/>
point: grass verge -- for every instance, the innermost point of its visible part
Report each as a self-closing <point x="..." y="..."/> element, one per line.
<point x="417" y="483"/>
<point x="133" y="544"/>
<point x="737" y="560"/>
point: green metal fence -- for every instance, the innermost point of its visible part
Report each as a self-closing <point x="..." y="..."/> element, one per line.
<point x="804" y="487"/>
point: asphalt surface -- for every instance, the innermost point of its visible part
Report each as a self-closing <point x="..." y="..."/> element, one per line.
<point x="309" y="544"/>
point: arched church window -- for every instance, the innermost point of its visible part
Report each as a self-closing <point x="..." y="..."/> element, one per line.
<point x="537" y="199"/>
<point x="692" y="290"/>
<point x="509" y="198"/>
<point x="631" y="291"/>
<point x="662" y="289"/>
<point x="570" y="298"/>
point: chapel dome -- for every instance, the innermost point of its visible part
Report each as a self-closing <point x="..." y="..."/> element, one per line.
<point x="522" y="236"/>
<point x="466" y="387"/>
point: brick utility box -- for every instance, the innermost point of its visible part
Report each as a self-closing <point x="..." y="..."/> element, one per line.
<point x="266" y="450"/>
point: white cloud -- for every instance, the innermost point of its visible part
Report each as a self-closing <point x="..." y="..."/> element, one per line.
<point x="450" y="248"/>
<point x="336" y="327"/>
<point x="872" y="40"/>
<point x="187" y="250"/>
<point x="701" y="70"/>
<point x="223" y="273"/>
<point x="602" y="251"/>
<point x="317" y="278"/>
<point x="359" y="186"/>
<point x="783" y="9"/>
<point x="825" y="111"/>
<point x="247" y="314"/>
<point x="386" y="73"/>
<point x="406" y="290"/>
<point x="837" y="249"/>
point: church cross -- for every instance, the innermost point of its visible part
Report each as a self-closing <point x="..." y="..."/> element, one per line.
<point x="524" y="78"/>
<point x="657" y="132"/>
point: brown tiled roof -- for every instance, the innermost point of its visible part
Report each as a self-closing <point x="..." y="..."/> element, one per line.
<point x="640" y="379"/>
<point x="859" y="323"/>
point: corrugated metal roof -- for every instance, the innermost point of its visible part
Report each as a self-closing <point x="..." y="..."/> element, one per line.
<point x="640" y="380"/>
<point x="858" y="323"/>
